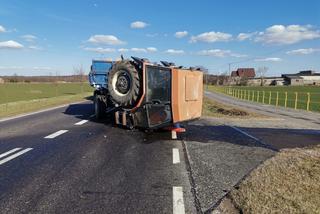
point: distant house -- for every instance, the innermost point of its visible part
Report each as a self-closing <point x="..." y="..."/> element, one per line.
<point x="266" y="81"/>
<point x="244" y="72"/>
<point x="308" y="77"/>
<point x="1" y="80"/>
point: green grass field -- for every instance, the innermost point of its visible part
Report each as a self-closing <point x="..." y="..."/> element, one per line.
<point x="12" y="92"/>
<point x="17" y="98"/>
<point x="269" y="94"/>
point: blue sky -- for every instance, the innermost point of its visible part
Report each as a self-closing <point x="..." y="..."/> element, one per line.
<point x="42" y="37"/>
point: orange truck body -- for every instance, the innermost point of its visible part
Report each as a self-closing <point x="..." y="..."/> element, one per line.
<point x="187" y="94"/>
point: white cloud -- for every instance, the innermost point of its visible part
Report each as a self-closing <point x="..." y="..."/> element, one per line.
<point x="11" y="67"/>
<point x="27" y="68"/>
<point x="138" y="25"/>
<point x="173" y="51"/>
<point x="210" y="37"/>
<point x="139" y="50"/>
<point x="123" y="50"/>
<point x="181" y="34"/>
<point x="152" y="49"/>
<point x="245" y="36"/>
<point x="100" y="50"/>
<point x="33" y="47"/>
<point x="280" y="34"/>
<point x="105" y="39"/>
<point x="303" y="51"/>
<point x="2" y="29"/>
<point x="271" y="59"/>
<point x="10" y="45"/>
<point x="29" y="38"/>
<point x="41" y="68"/>
<point x="219" y="53"/>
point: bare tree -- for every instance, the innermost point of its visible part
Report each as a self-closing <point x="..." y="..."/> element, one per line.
<point x="79" y="72"/>
<point x="262" y="72"/>
<point x="79" y="75"/>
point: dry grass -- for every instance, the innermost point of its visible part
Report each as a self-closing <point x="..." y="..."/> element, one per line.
<point x="287" y="183"/>
<point x="212" y="108"/>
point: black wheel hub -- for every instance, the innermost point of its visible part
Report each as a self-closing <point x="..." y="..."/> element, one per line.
<point x="123" y="83"/>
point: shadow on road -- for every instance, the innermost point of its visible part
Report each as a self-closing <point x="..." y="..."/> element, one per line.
<point x="271" y="138"/>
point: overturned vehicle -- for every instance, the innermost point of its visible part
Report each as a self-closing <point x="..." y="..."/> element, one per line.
<point x="146" y="95"/>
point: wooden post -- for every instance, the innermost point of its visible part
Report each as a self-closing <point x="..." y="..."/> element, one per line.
<point x="296" y="100"/>
<point x="308" y="101"/>
<point x="252" y="96"/>
<point x="269" y="97"/>
<point x="249" y="95"/>
<point x="286" y="99"/>
<point x="277" y="100"/>
<point x="263" y="94"/>
<point x="258" y="96"/>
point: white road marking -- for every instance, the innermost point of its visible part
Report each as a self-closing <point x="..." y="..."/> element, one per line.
<point x="178" y="203"/>
<point x="173" y="135"/>
<point x="92" y="116"/>
<point x="56" y="134"/>
<point x="245" y="133"/>
<point x="9" y="152"/>
<point x="175" y="156"/>
<point x="14" y="155"/>
<point x="81" y="122"/>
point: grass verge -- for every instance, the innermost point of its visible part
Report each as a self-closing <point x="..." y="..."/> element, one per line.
<point x="286" y="183"/>
<point x="212" y="108"/>
<point x="20" y="107"/>
<point x="276" y="95"/>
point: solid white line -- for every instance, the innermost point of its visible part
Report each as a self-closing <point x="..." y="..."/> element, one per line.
<point x="14" y="155"/>
<point x="81" y="122"/>
<point x="56" y="134"/>
<point x="175" y="156"/>
<point x="9" y="152"/>
<point x="245" y="133"/>
<point x="178" y="204"/>
<point x="37" y="112"/>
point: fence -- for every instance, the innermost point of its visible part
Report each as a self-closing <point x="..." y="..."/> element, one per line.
<point x="309" y="101"/>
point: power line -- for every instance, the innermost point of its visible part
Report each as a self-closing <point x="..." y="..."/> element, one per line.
<point x="247" y="60"/>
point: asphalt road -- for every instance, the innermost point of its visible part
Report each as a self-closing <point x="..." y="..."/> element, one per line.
<point x="63" y="161"/>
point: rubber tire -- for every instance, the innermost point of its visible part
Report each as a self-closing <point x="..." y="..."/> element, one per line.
<point x="99" y="108"/>
<point x="131" y="97"/>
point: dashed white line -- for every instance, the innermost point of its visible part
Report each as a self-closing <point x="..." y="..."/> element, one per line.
<point x="175" y="156"/>
<point x="178" y="203"/>
<point x="173" y="135"/>
<point x="14" y="155"/>
<point x="56" y="134"/>
<point x="81" y="122"/>
<point x="9" y="152"/>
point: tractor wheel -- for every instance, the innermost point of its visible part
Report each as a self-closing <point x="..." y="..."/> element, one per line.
<point x="99" y="108"/>
<point x="124" y="83"/>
